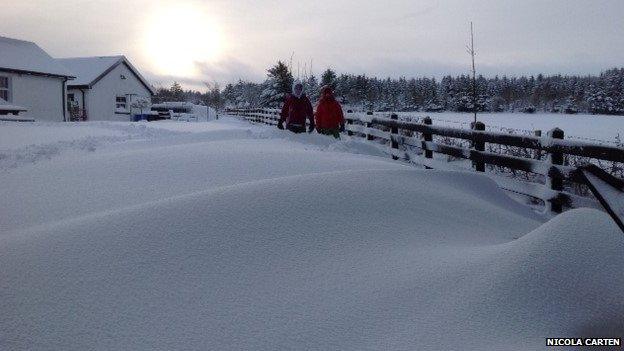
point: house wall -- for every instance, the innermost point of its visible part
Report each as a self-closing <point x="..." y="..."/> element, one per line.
<point x="101" y="98"/>
<point x="42" y="96"/>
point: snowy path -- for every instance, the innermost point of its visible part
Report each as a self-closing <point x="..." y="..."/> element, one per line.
<point x="78" y="182"/>
<point x="232" y="237"/>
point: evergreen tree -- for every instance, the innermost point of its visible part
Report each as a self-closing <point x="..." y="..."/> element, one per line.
<point x="328" y="78"/>
<point x="603" y="94"/>
<point x="312" y="88"/>
<point x="278" y="84"/>
<point x="176" y="92"/>
<point x="214" y="97"/>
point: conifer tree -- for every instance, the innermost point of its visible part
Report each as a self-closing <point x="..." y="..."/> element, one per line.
<point x="279" y="83"/>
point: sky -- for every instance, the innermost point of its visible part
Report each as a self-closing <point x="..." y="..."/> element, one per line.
<point x="196" y="42"/>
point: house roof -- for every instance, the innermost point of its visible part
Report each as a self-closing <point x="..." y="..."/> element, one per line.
<point x="27" y="57"/>
<point x="89" y="70"/>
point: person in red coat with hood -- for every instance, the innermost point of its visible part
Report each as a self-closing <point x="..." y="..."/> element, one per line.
<point x="295" y="111"/>
<point x="329" y="116"/>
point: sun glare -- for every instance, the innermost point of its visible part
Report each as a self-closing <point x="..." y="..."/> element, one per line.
<point x="179" y="36"/>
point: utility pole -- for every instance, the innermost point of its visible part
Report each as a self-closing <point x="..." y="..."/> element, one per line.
<point x="471" y="51"/>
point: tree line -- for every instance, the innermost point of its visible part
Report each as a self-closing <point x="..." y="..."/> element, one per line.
<point x="602" y="94"/>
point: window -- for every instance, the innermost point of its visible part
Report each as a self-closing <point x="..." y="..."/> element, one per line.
<point x="5" y="89"/>
<point x="121" y="104"/>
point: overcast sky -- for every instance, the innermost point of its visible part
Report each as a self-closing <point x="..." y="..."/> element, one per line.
<point x="195" y="41"/>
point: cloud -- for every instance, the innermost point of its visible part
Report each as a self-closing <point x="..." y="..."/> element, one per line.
<point x="420" y="12"/>
<point x="227" y="70"/>
<point x="390" y="38"/>
<point x="223" y="71"/>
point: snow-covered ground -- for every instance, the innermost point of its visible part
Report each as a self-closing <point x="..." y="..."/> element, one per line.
<point x="580" y="126"/>
<point x="227" y="236"/>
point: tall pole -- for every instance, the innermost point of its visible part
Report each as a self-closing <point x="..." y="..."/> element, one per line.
<point x="474" y="74"/>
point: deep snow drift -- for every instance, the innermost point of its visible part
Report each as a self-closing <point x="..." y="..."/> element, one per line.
<point x="232" y="237"/>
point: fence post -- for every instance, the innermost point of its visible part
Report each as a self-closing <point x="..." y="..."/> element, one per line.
<point x="394" y="135"/>
<point x="349" y="121"/>
<point x="369" y="125"/>
<point x="479" y="146"/>
<point x="369" y="136"/>
<point x="427" y="137"/>
<point x="555" y="181"/>
<point x="537" y="153"/>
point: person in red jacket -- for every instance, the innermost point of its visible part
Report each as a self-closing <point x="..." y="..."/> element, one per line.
<point x="329" y="116"/>
<point x="295" y="111"/>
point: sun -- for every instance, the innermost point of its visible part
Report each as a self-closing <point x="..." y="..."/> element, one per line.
<point x="176" y="37"/>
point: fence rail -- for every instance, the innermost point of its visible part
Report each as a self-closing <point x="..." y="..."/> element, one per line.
<point x="392" y="132"/>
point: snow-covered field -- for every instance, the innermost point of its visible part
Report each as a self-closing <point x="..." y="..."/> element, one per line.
<point x="580" y="126"/>
<point x="227" y="236"/>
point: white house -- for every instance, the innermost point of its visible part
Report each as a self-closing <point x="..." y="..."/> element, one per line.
<point x="32" y="80"/>
<point x="106" y="88"/>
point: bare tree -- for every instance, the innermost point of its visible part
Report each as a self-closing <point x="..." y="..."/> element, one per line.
<point x="471" y="51"/>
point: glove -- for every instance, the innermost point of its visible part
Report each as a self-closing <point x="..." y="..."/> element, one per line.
<point x="311" y="128"/>
<point x="342" y="127"/>
<point x="280" y="125"/>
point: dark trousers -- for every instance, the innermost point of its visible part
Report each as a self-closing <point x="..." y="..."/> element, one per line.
<point x="296" y="129"/>
<point x="335" y="132"/>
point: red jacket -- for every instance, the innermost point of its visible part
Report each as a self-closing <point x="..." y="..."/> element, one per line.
<point x="296" y="110"/>
<point x="328" y="112"/>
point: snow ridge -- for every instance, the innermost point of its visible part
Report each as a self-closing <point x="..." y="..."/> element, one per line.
<point x="265" y="240"/>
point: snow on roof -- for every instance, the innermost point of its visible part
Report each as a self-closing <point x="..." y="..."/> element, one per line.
<point x="89" y="70"/>
<point x="20" y="55"/>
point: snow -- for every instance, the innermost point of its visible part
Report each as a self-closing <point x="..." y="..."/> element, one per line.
<point x="611" y="195"/>
<point x="5" y="106"/>
<point x="88" y="69"/>
<point x="186" y="111"/>
<point x="26" y="143"/>
<point x="580" y="126"/>
<point x="13" y="135"/>
<point x="246" y="237"/>
<point x="194" y="127"/>
<point x="27" y="56"/>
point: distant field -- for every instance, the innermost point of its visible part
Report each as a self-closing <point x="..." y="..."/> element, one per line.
<point x="598" y="127"/>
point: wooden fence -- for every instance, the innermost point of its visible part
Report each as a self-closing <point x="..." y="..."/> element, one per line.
<point x="398" y="134"/>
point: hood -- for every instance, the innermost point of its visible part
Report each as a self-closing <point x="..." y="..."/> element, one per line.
<point x="296" y="83"/>
<point x="327" y="92"/>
